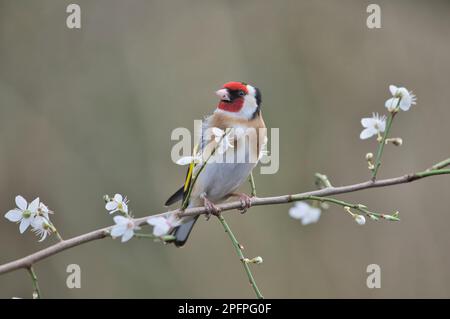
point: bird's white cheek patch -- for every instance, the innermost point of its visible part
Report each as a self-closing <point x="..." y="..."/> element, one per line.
<point x="249" y="107"/>
<point x="251" y="90"/>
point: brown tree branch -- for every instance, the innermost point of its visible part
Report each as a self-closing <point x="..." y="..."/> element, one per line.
<point x="28" y="261"/>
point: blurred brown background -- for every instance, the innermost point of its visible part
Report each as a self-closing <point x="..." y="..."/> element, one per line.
<point x="89" y="112"/>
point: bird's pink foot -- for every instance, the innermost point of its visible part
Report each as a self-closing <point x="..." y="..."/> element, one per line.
<point x="211" y="208"/>
<point x="246" y="202"/>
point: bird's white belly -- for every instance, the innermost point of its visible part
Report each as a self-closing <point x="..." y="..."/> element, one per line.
<point x="217" y="180"/>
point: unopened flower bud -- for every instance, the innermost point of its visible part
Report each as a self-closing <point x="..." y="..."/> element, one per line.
<point x="257" y="260"/>
<point x="360" y="219"/>
<point x="393" y="217"/>
<point x="397" y="141"/>
<point x="369" y="157"/>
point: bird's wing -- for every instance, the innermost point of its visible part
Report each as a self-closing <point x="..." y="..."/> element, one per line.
<point x="181" y="193"/>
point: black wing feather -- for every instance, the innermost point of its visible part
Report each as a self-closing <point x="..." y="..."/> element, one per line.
<point x="182" y="192"/>
<point x="178" y="195"/>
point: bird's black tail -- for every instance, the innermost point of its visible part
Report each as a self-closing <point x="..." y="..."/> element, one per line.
<point x="182" y="232"/>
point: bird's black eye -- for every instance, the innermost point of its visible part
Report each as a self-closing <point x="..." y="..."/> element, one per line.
<point x="241" y="93"/>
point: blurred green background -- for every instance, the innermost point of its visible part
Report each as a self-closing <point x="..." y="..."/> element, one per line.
<point x="89" y="112"/>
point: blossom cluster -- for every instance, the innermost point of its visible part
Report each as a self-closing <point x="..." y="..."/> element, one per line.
<point x="34" y="214"/>
<point x="402" y="99"/>
<point x="125" y="225"/>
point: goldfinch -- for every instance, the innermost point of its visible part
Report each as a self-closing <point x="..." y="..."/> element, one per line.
<point x="239" y="110"/>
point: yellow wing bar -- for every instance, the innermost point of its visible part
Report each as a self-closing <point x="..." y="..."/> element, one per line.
<point x="191" y="170"/>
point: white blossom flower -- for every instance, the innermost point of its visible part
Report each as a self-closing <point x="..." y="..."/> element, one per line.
<point x="124" y="228"/>
<point x="186" y="160"/>
<point x="223" y="139"/>
<point x="118" y="203"/>
<point x="41" y="227"/>
<point x="305" y="212"/>
<point x="162" y="225"/>
<point x="360" y="219"/>
<point x="401" y="98"/>
<point x="24" y="213"/>
<point x="372" y="126"/>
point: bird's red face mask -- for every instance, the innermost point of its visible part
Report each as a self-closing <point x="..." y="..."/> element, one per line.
<point x="232" y="96"/>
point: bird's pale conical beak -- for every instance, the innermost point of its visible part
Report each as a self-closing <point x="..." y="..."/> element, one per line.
<point x="223" y="94"/>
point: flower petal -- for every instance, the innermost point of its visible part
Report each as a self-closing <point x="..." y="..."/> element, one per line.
<point x="172" y="220"/>
<point x="393" y="89"/>
<point x="367" y="121"/>
<point x="127" y="235"/>
<point x="161" y="230"/>
<point x="218" y="132"/>
<point x="120" y="220"/>
<point x="156" y="221"/>
<point x="14" y="215"/>
<point x="24" y="225"/>
<point x="367" y="133"/>
<point x="118" y="198"/>
<point x="382" y="125"/>
<point x="294" y="212"/>
<point x="185" y="160"/>
<point x="37" y="222"/>
<point x="112" y="205"/>
<point x="21" y="202"/>
<point x="118" y="230"/>
<point x="312" y="216"/>
<point x="34" y="205"/>
<point x="403" y="92"/>
<point x="405" y="103"/>
<point x="391" y="104"/>
<point x="299" y="210"/>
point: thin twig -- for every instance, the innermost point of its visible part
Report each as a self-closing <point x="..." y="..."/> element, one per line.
<point x="252" y="184"/>
<point x="440" y="165"/>
<point x="104" y="232"/>
<point x="36" y="290"/>
<point x="382" y="144"/>
<point x="363" y="209"/>
<point x="58" y="235"/>
<point x="242" y="258"/>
